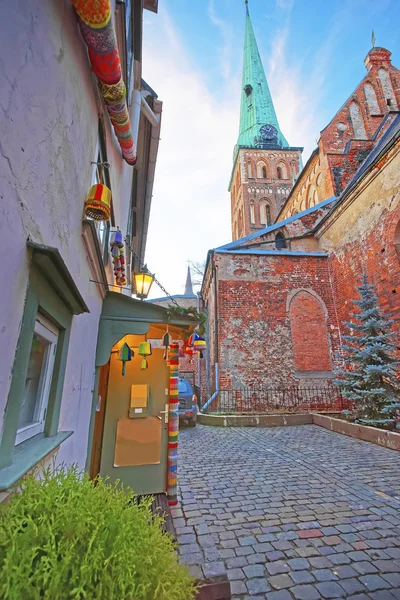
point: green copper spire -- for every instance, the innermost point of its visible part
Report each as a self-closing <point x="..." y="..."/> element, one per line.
<point x="259" y="126"/>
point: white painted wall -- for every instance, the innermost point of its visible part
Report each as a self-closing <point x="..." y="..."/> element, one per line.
<point x="48" y="135"/>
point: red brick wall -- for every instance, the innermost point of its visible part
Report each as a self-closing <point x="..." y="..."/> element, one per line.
<point x="255" y="337"/>
<point x="309" y="334"/>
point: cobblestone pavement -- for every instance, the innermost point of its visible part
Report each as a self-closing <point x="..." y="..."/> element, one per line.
<point x="290" y="513"/>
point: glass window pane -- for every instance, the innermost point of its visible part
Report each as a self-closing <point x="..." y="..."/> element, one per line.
<point x="34" y="381"/>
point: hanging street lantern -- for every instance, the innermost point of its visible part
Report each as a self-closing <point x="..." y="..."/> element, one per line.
<point x="142" y="283"/>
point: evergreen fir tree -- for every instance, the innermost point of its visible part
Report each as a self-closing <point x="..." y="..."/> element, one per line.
<point x="370" y="378"/>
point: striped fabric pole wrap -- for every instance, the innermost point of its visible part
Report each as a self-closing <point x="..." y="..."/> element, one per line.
<point x="94" y="17"/>
<point x="173" y="425"/>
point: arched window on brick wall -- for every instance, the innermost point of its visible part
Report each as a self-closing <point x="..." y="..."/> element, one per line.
<point x="357" y="121"/>
<point x="252" y="214"/>
<point x="240" y="223"/>
<point x="371" y="99"/>
<point x="387" y="89"/>
<point x="261" y="170"/>
<point x="249" y="170"/>
<point x="309" y="334"/>
<point x="265" y="212"/>
<point x="281" y="171"/>
<point x="397" y="239"/>
<point x="280" y="242"/>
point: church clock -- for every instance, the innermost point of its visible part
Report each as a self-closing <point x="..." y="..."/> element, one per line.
<point x="268" y="132"/>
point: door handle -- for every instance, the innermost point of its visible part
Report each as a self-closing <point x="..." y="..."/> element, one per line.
<point x="165" y="413"/>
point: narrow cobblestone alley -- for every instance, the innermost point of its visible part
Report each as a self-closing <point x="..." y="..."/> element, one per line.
<point x="290" y="513"/>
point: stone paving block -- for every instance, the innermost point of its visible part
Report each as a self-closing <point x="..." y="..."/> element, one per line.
<point x="374" y="582"/>
<point x="339" y="559"/>
<point x="279" y="582"/>
<point x="244" y="551"/>
<point x="324" y="575"/>
<point x="258" y="586"/>
<point x="320" y="562"/>
<point x="365" y="568"/>
<point x="305" y="592"/>
<point x="307" y="551"/>
<point x="196" y="571"/>
<point x="237" y="561"/>
<point x="383" y="595"/>
<point x="238" y="587"/>
<point x="300" y="577"/>
<point x="352" y="586"/>
<point x="386" y="566"/>
<point x="230" y="543"/>
<point x="358" y="555"/>
<point x="265" y="547"/>
<point x="392" y="578"/>
<point x="248" y="541"/>
<point x="254" y="559"/>
<point x="279" y="595"/>
<point x="310" y="533"/>
<point x="227" y="535"/>
<point x="298" y="564"/>
<point x="345" y="571"/>
<point x="332" y="540"/>
<point x="282" y="545"/>
<point x="235" y="574"/>
<point x="277" y="567"/>
<point x="330" y="589"/>
<point x="188" y="538"/>
<point x="276" y="555"/>
<point x="253" y="571"/>
<point x="194" y="558"/>
<point x="227" y="553"/>
<point x="212" y="569"/>
<point x="211" y="554"/>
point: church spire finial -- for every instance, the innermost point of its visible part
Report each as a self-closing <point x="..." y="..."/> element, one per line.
<point x="189" y="286"/>
<point x="247" y="6"/>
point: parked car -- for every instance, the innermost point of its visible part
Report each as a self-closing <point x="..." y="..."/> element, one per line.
<point x="187" y="402"/>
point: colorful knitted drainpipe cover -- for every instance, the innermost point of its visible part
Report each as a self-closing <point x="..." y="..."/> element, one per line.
<point x="173" y="425"/>
<point x="94" y="17"/>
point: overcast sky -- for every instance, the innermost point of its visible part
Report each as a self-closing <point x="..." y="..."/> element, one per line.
<point x="313" y="56"/>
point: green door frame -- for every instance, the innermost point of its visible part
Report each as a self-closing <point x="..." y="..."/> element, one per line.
<point x="122" y="315"/>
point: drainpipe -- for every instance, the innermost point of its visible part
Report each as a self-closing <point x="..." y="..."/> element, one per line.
<point x="215" y="394"/>
<point x="135" y="115"/>
<point x="198" y="358"/>
<point x="148" y="113"/>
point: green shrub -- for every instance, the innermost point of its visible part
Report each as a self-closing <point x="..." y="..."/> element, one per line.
<point x="65" y="538"/>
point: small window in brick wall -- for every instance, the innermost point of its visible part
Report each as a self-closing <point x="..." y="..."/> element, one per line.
<point x="309" y="334"/>
<point x="280" y="241"/>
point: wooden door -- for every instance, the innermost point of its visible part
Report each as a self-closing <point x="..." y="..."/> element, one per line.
<point x="135" y="446"/>
<point x="99" y="421"/>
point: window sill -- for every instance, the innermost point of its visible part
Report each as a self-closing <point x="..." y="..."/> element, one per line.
<point x="27" y="455"/>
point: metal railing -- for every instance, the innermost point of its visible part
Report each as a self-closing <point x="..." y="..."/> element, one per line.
<point x="278" y="400"/>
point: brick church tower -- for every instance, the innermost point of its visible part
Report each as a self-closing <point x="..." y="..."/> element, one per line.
<point x="264" y="165"/>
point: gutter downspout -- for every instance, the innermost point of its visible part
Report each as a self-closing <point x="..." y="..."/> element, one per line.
<point x="216" y="356"/>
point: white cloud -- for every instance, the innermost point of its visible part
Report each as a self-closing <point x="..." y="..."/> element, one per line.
<point x="225" y="51"/>
<point x="191" y="207"/>
<point x="296" y="103"/>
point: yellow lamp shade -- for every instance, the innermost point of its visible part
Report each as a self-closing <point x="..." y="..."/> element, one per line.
<point x="142" y="283"/>
<point x="200" y="345"/>
<point x="98" y="202"/>
<point x="144" y="349"/>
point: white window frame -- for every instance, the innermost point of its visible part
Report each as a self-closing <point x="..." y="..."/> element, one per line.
<point x="48" y="332"/>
